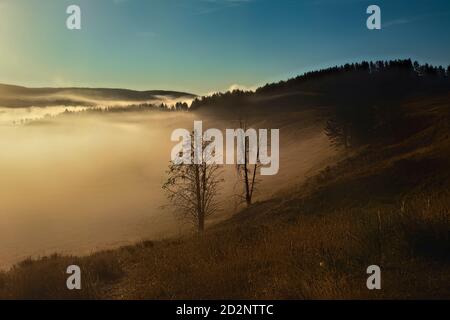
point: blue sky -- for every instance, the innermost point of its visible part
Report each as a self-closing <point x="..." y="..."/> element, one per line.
<point x="206" y="45"/>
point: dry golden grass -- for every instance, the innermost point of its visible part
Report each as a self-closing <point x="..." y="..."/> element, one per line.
<point x="283" y="249"/>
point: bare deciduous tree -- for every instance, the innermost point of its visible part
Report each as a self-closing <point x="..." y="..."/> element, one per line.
<point x="193" y="188"/>
<point x="247" y="171"/>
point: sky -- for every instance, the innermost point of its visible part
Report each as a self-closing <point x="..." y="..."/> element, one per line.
<point x="201" y="46"/>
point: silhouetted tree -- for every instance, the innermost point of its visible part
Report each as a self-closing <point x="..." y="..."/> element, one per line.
<point x="247" y="171"/>
<point x="193" y="188"/>
<point x="351" y="124"/>
<point x="416" y="66"/>
<point x="181" y="106"/>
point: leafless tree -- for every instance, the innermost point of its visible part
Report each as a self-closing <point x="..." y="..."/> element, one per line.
<point x="247" y="171"/>
<point x="193" y="188"/>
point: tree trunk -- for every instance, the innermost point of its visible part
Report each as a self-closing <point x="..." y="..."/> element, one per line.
<point x="248" y="198"/>
<point x="201" y="223"/>
<point x="199" y="200"/>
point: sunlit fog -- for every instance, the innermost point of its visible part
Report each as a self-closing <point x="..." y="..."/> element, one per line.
<point x="80" y="183"/>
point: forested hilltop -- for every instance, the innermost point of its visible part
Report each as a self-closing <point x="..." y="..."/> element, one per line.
<point x="362" y="102"/>
<point x="371" y="81"/>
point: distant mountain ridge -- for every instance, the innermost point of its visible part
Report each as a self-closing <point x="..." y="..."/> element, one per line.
<point x="17" y="96"/>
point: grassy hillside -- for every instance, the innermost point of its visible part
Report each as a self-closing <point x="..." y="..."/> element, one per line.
<point x="386" y="203"/>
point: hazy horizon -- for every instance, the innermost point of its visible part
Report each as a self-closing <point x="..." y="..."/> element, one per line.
<point x="191" y="46"/>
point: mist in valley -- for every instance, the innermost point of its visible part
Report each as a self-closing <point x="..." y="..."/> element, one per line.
<point x="78" y="184"/>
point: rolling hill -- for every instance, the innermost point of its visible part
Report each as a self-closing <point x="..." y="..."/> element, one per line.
<point x="17" y="96"/>
<point x="385" y="202"/>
